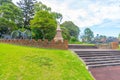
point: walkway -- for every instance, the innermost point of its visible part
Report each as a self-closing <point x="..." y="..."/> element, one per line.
<point x="106" y="73"/>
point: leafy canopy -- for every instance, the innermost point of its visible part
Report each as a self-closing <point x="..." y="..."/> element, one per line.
<point x="73" y="30"/>
<point x="10" y="16"/>
<point x="88" y="35"/>
<point x="43" y="25"/>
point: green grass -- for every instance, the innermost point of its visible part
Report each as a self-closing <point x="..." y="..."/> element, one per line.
<point x="88" y="44"/>
<point x="76" y="42"/>
<point x="81" y="43"/>
<point x="119" y="47"/>
<point x="26" y="63"/>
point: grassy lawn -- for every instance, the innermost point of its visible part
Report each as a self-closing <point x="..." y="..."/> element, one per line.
<point x="81" y="43"/>
<point x="119" y="47"/>
<point x="26" y="63"/>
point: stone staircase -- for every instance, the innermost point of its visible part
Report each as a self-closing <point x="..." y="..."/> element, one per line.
<point x="94" y="57"/>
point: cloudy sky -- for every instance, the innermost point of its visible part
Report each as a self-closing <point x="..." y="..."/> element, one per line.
<point x="102" y="16"/>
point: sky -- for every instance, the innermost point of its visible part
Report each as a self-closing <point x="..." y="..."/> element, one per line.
<point x="101" y="16"/>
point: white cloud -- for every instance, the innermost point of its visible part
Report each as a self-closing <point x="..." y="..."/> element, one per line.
<point x="86" y="13"/>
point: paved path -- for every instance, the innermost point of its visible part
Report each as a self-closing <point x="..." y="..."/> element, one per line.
<point x="106" y="73"/>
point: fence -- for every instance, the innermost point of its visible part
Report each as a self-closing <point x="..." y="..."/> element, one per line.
<point x="39" y="43"/>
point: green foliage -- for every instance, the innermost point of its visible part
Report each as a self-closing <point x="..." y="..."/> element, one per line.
<point x="100" y="38"/>
<point x="10" y="17"/>
<point x="76" y="42"/>
<point x="65" y="33"/>
<point x="5" y="1"/>
<point x="72" y="29"/>
<point x="25" y="63"/>
<point x="57" y="16"/>
<point x="6" y="27"/>
<point x="88" y="35"/>
<point x="73" y="39"/>
<point x="39" y="6"/>
<point x="119" y="36"/>
<point x="11" y="12"/>
<point x="27" y="7"/>
<point x="43" y="25"/>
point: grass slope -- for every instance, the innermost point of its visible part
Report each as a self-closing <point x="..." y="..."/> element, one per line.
<point x="26" y="63"/>
<point x="119" y="47"/>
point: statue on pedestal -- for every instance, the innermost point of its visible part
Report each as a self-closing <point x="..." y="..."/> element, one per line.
<point x="58" y="36"/>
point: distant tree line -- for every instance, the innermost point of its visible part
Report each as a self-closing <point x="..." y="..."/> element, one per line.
<point x="88" y="37"/>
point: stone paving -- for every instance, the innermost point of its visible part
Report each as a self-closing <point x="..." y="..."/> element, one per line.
<point x="106" y="73"/>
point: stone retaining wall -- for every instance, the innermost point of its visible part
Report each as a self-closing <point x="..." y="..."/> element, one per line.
<point x="112" y="45"/>
<point x="39" y="43"/>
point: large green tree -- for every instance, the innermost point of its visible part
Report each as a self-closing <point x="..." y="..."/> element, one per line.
<point x="10" y="16"/>
<point x="6" y="27"/>
<point x="39" y="6"/>
<point x="72" y="29"/>
<point x="43" y="25"/>
<point x="28" y="12"/>
<point x="88" y="35"/>
<point x="11" y="12"/>
<point x="65" y="33"/>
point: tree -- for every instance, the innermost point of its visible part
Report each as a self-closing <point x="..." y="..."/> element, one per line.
<point x="57" y="16"/>
<point x="72" y="29"/>
<point x="111" y="39"/>
<point x="6" y="27"/>
<point x="27" y="7"/>
<point x="43" y="25"/>
<point x="119" y="36"/>
<point x="65" y="33"/>
<point x="39" y="6"/>
<point x="10" y="16"/>
<point x="88" y="35"/>
<point x="4" y="1"/>
<point x="100" y="39"/>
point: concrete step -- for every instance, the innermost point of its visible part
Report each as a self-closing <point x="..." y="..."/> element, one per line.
<point x="109" y="54"/>
<point x="95" y="50"/>
<point x="102" y="62"/>
<point x="98" y="52"/>
<point x="101" y="59"/>
<point x="103" y="65"/>
<point x="75" y="46"/>
<point x="96" y="55"/>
